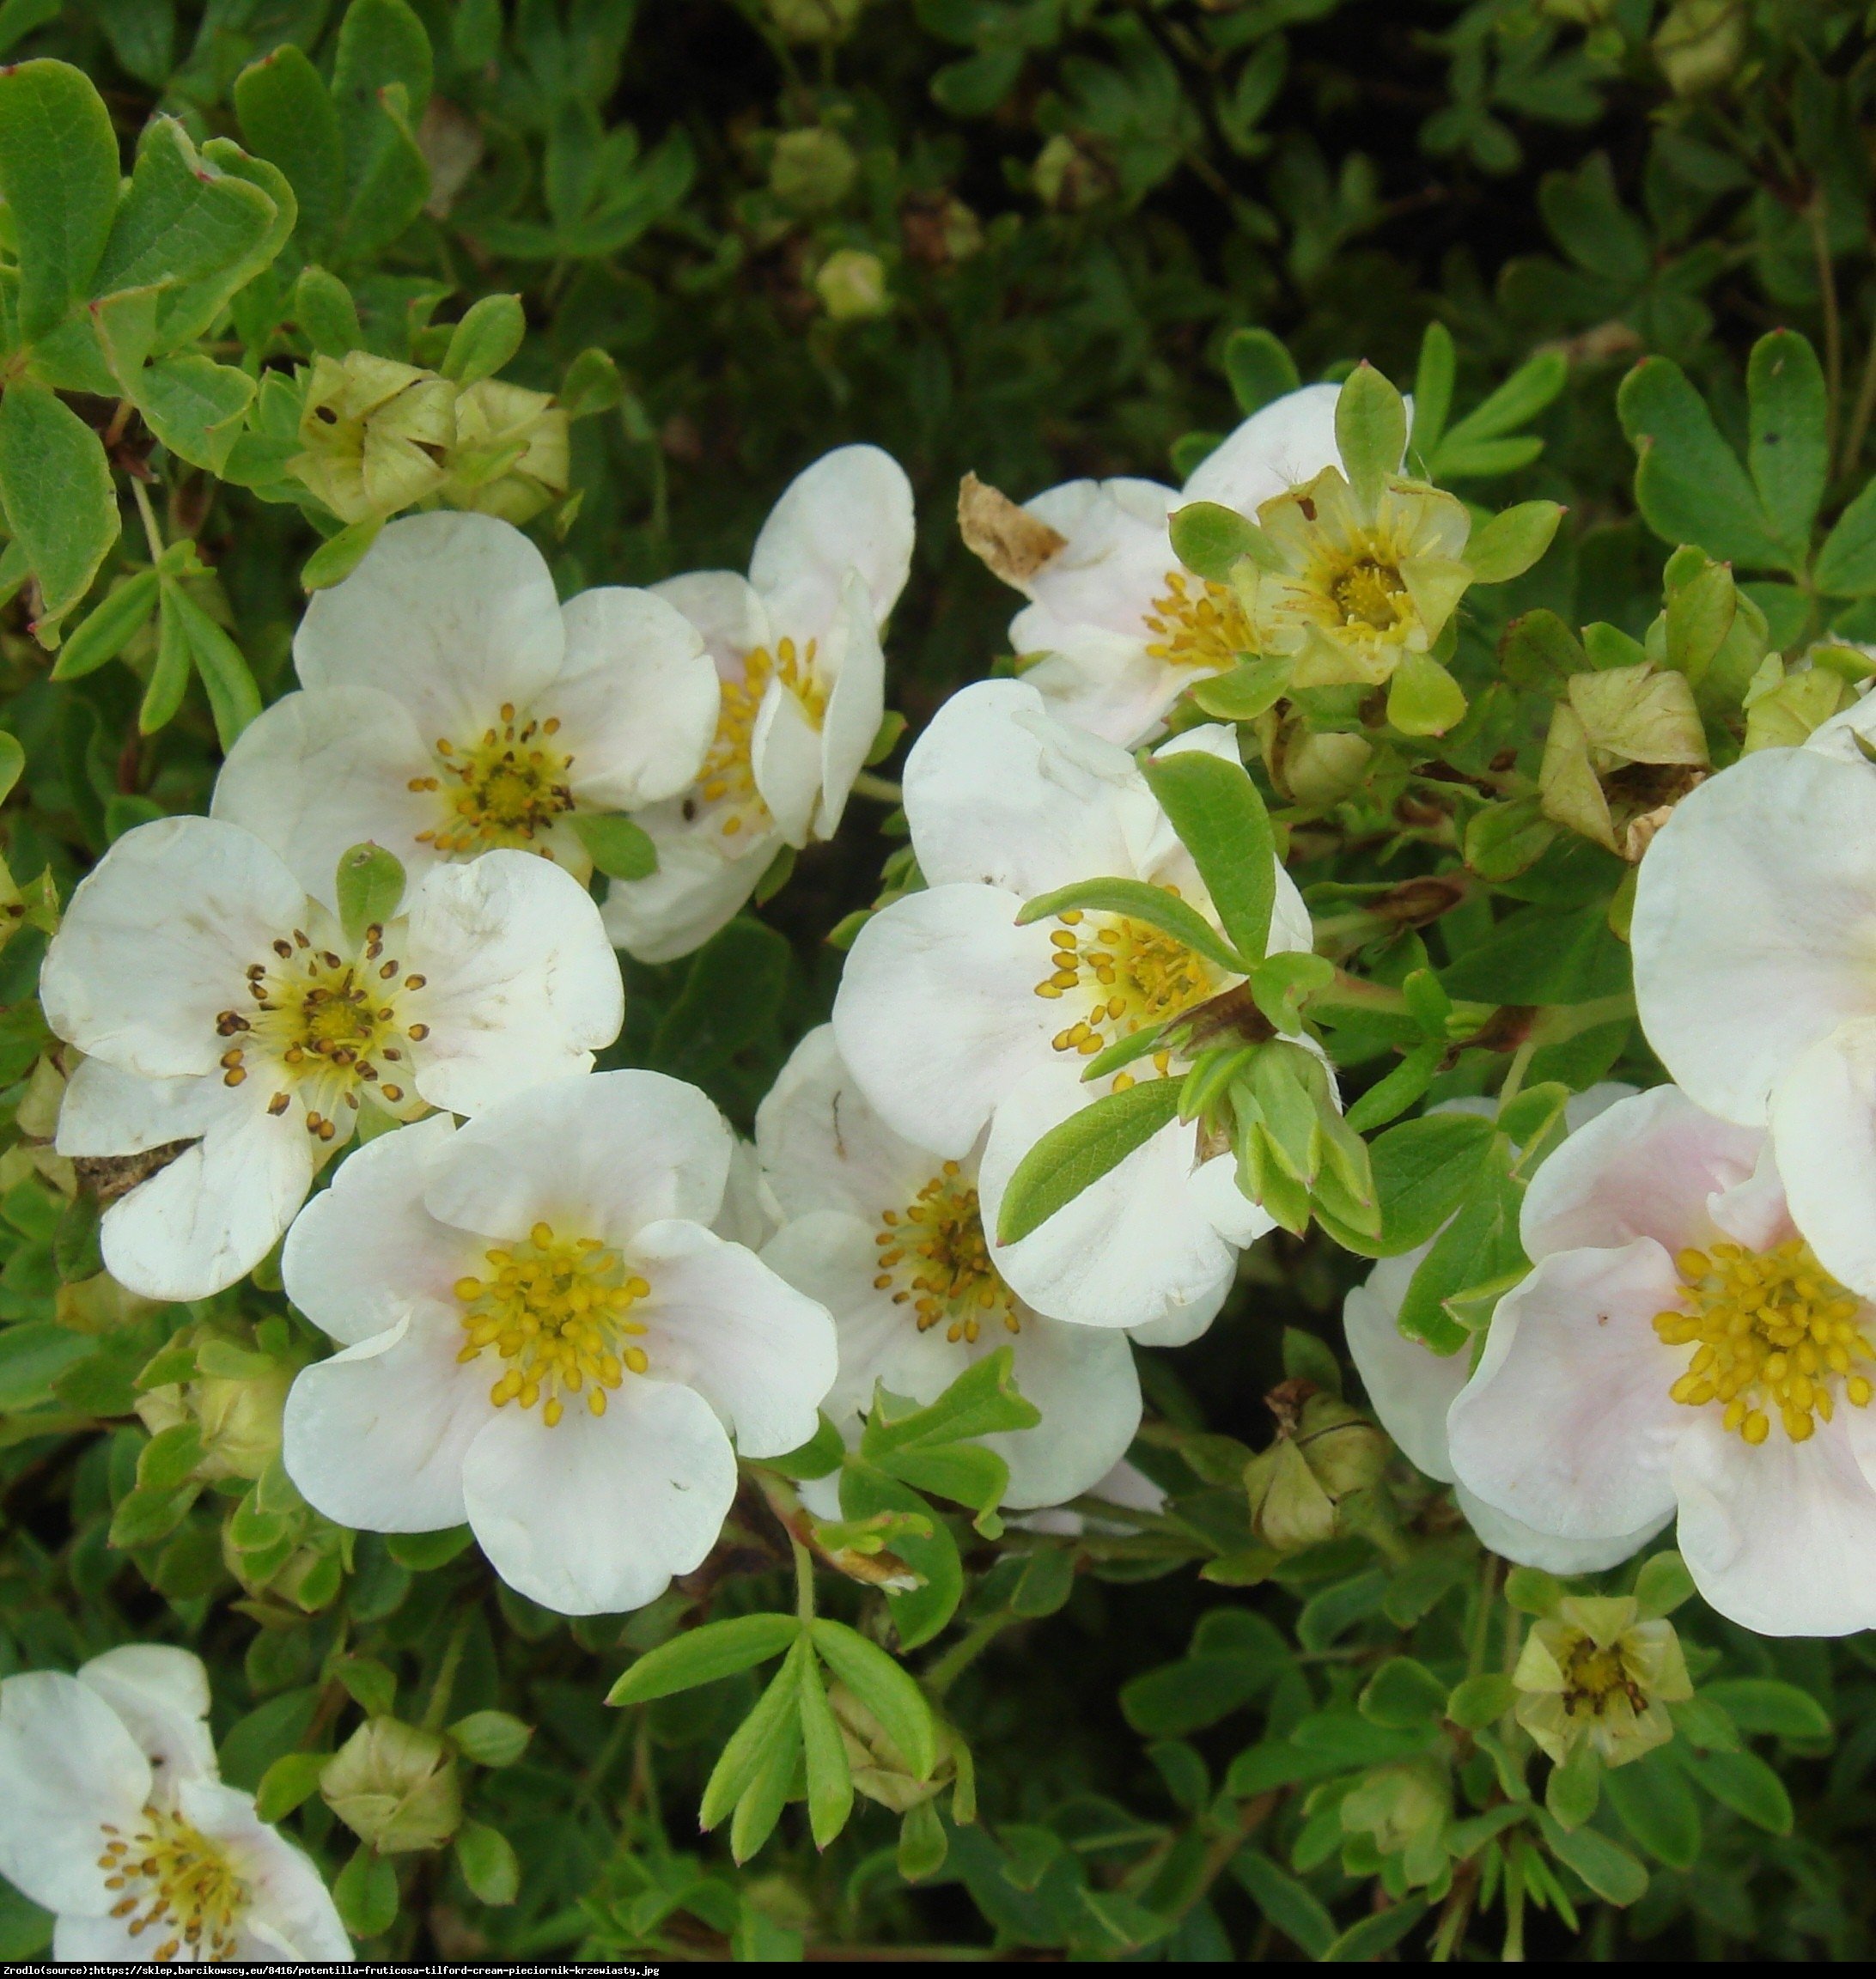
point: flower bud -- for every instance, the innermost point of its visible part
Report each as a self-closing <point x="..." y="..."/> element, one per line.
<point x="511" y="454"/>
<point x="1289" y="1509"/>
<point x="812" y="171"/>
<point x="1325" y="768"/>
<point x="235" y="1399"/>
<point x="815" y="20"/>
<point x="375" y="433"/>
<point x="880" y="1770"/>
<point x="1404" y="1809"/>
<point x="1594" y="1671"/>
<point x="1343" y="1447"/>
<point x="851" y="285"/>
<point x="1069" y="178"/>
<point x="1700" y="43"/>
<point x="1624" y="741"/>
<point x="394" y="1787"/>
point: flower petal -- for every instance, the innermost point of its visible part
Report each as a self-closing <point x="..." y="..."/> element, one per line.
<point x="657" y="1466"/>
<point x="105" y="1110"/>
<point x="1512" y="1539"/>
<point x="1083" y="1380"/>
<point x="1753" y="926"/>
<point x="785" y="761"/>
<point x="522" y="985"/>
<point x="364" y="1250"/>
<point x="600" y="1157"/>
<point x="153" y="947"/>
<point x="290" y="1914"/>
<point x="376" y="1437"/>
<point x="1409" y="1387"/>
<point x="319" y="772"/>
<point x="1824" y="1131"/>
<point x="693" y="893"/>
<point x="162" y="1694"/>
<point x="1110" y="570"/>
<point x="823" y="1147"/>
<point x="67" y="1765"/>
<point x="1104" y="682"/>
<point x="726" y="612"/>
<point x="1567" y="1424"/>
<point x="937" y="1013"/>
<point x="852" y="511"/>
<point x="637" y="701"/>
<point x="852" y="654"/>
<point x="1279" y="447"/>
<point x="452" y="613"/>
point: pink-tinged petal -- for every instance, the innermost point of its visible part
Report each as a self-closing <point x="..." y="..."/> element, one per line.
<point x="1647" y="1166"/>
<point x="1754" y="924"/>
<point x="1780" y="1537"/>
<point x="1824" y="1132"/>
<point x="823" y="1147"/>
<point x="1283" y="444"/>
<point x="1568" y="1425"/>
<point x="289" y="1914"/>
<point x="162" y="1694"/>
<point x="594" y="1515"/>
<point x="375" y="1438"/>
<point x="1409" y="1387"/>
<point x="852" y="511"/>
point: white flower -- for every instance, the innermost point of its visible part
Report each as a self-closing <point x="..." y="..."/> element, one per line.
<point x="112" y="1817"/>
<point x="1121" y="628"/>
<point x="797" y="646"/>
<point x="221" y="1007"/>
<point x="1126" y="1486"/>
<point x="950" y="1014"/>
<point x="1755" y="966"/>
<point x="451" y="705"/>
<point x="1412" y="1389"/>
<point x="1678" y="1348"/>
<point x="887" y="1236"/>
<point x="542" y="1336"/>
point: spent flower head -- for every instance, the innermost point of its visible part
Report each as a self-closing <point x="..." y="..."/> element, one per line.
<point x="1596" y="1670"/>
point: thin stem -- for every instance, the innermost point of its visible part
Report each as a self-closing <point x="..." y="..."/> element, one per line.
<point x="882" y="789"/>
<point x="804" y="1581"/>
<point x="1565" y="1021"/>
<point x="1816" y="218"/>
<point x="438" y="1708"/>
<point x="1865" y="410"/>
<point x="152" y="534"/>
<point x="1482" y="1622"/>
<point x="1514" y="1073"/>
<point x="964" y="1652"/>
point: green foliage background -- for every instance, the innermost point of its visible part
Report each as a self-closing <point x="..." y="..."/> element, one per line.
<point x="1074" y="205"/>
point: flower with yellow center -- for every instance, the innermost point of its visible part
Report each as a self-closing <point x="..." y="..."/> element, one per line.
<point x="890" y="1237"/>
<point x="1596" y="1671"/>
<point x="228" y="1020"/>
<point x="537" y="1320"/>
<point x="112" y="1818"/>
<point x="1119" y="975"/>
<point x="450" y="705"/>
<point x="1678" y="1350"/>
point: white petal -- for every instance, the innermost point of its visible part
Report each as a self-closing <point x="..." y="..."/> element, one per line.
<point x="1113" y="566"/>
<point x="695" y="890"/>
<point x="750" y="1214"/>
<point x="319" y="772"/>
<point x="594" y="1515"/>
<point x="720" y="1321"/>
<point x="289" y="1914"/>
<point x="785" y="761"/>
<point x="823" y="1147"/>
<point x="728" y="614"/>
<point x="1289" y="442"/>
<point x="1824" y="1130"/>
<point x="375" y="1438"/>
<point x="852" y="510"/>
<point x="1567" y="1424"/>
<point x="108" y="1111"/>
<point x="364" y="1250"/>
<point x="1410" y="1387"/>
<point x="453" y="613"/>
<point x="1512" y="1539"/>
<point x="1104" y="682"/>
<point x="1082" y="1379"/>
<point x="216" y="1210"/>
<point x="162" y="1694"/>
<point x="937" y="1013"/>
<point x="600" y="1157"/>
<point x="1780" y="1537"/>
<point x="67" y="1765"/>
<point x="522" y="985"/>
<point x="1754" y="924"/>
<point x="1645" y="1166"/>
<point x="997" y="791"/>
<point x="854" y="657"/>
<point x="1225" y="1206"/>
<point x="1133" y="1248"/>
<point x="638" y="700"/>
<point x="153" y="947"/>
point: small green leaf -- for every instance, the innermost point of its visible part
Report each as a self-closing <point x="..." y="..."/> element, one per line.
<point x="887" y="1690"/>
<point x="1608" y="1868"/>
<point x="181" y="220"/>
<point x="195" y="407"/>
<point x="169" y="1458"/>
<point x="488" y="1863"/>
<point x="1404" y="1695"/>
<point x="1531" y="1590"/>
<point x="1513" y="541"/>
<point x="491" y="1737"/>
<point x="55" y="484"/>
<point x="1480" y="1700"/>
<point x="490" y="333"/>
<point x="923" y="1843"/>
<point x="287" y="117"/>
<point x="290" y="1782"/>
<point x="829" y="1778"/>
<point x="918" y="1613"/>
<point x="169" y="678"/>
<point x="366" y="1892"/>
<point x="423" y="1551"/>
<point x="593" y="385"/>
<point x="1246" y="691"/>
<point x="1287" y="1905"/>
<point x="1433" y="390"/>
<point x="1211" y="539"/>
<point x="58" y="177"/>
<point x="1156" y="905"/>
<point x="1422" y="697"/>
<point x="1765" y="1704"/>
<point x="339" y="556"/>
<point x="1215" y="808"/>
<point x="327" y="316"/>
<point x="369" y="885"/>
<point x="980" y="1402"/>
<point x="1743" y="1782"/>
<point x="1651" y="1800"/>
<point x="1662" y="1584"/>
<point x="1259" y="370"/>
<point x="372" y="1685"/>
<point x="701" y="1655"/>
<point x="12" y="763"/>
<point x="1847" y="562"/>
<point x="109" y="627"/>
<point x="1081" y="1150"/>
<point x="817" y="1457"/>
<point x="233" y="699"/>
<point x="1788" y="451"/>
<point x="621" y="848"/>
<point x="1574" y="1787"/>
<point x="1371" y="434"/>
<point x="1522" y="396"/>
<point x="775" y="1722"/>
<point x="1373" y="1936"/>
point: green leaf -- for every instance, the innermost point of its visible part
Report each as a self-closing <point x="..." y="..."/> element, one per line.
<point x="981" y="1402"/>
<point x="169" y="1458"/>
<point x="593" y="384"/>
<point x="1662" y="1584"/>
<point x="1404" y="1695"/>
<point x="922" y="1843"/>
<point x="1513" y="541"/>
<point x="56" y="486"/>
<point x="1156" y="905"/>
<point x="1847" y="562"/>
<point x="381" y="82"/>
<point x="621" y="848"/>
<point x="109" y="627"/>
<point x="1259" y="370"/>
<point x="1522" y="396"/>
<point x="1215" y="808"/>
<point x="1651" y="1800"/>
<point x="287" y="117"/>
<point x="339" y="556"/>
<point x="1422" y="697"/>
<point x="1421" y="1169"/>
<point x="774" y="1722"/>
<point x="488" y="1862"/>
<point x="371" y="1685"/>
<point x="1479" y="1247"/>
<point x="327" y="316"/>
<point x="290" y="1782"/>
<point x="169" y="678"/>
<point x="423" y="1551"/>
<point x="1688" y="482"/>
<point x="1079" y="1151"/>
<point x="491" y="1737"/>
<point x="195" y="406"/>
<point x="1288" y="1906"/>
<point x="702" y="1655"/>
<point x="1433" y="390"/>
<point x="885" y="1688"/>
<point x="1765" y="1704"/>
<point x="58" y="177"/>
<point x="12" y="762"/>
<point x="1574" y="1789"/>
<point x="1371" y="433"/>
<point x="732" y="993"/>
<point x="369" y="884"/>
<point x="1608" y="1868"/>
<point x="1743" y="1782"/>
<point x="181" y="219"/>
<point x="233" y="699"/>
<point x="1377" y="1935"/>
<point x="1247" y="691"/>
<point x="1211" y="539"/>
<point x="490" y="333"/>
<point x="1480" y="1700"/>
<point x="817" y="1457"/>
<point x="366" y="1892"/>
<point x="919" y="1614"/>
<point x="1788" y="452"/>
<point x="829" y="1778"/>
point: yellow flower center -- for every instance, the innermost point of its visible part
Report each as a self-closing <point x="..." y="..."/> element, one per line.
<point x="1372" y="593"/>
<point x="326" y="1029"/>
<point x="1199" y="624"/>
<point x="727" y="783"/>
<point x="1776" y="1336"/>
<point x="1131" y="972"/>
<point x="1594" y="1676"/>
<point x="504" y="790"/>
<point x="932" y="1256"/>
<point x="176" y="1883"/>
<point x="556" y="1310"/>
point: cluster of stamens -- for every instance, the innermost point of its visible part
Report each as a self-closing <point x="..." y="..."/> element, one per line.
<point x="1134" y="974"/>
<point x="325" y="1028"/>
<point x="932" y="1258"/>
<point x="1594" y="1675"/>
<point x="728" y="778"/>
<point x="501" y="791"/>
<point x="170" y="1878"/>
<point x="1776" y="1336"/>
<point x="556" y="1310"/>
<point x="1200" y="623"/>
<point x="1370" y="593"/>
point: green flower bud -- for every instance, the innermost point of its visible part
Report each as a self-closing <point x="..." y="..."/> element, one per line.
<point x="1594" y="1671"/>
<point x="394" y="1787"/>
<point x="880" y="1770"/>
<point x="1404" y="1809"/>
<point x="375" y="435"/>
<point x="1289" y="1509"/>
<point x="1700" y="43"/>
<point x="1626" y="743"/>
<point x="815" y="21"/>
<point x="1069" y="178"/>
<point x="1325" y="768"/>
<point x="511" y="454"/>
<point x="851" y="285"/>
<point x="235" y="1399"/>
<point x="1342" y="1446"/>
<point x="812" y="171"/>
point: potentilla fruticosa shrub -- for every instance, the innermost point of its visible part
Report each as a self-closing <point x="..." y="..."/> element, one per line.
<point x="937" y="979"/>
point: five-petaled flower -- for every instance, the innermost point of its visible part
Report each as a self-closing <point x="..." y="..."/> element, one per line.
<point x="1596" y="1671"/>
